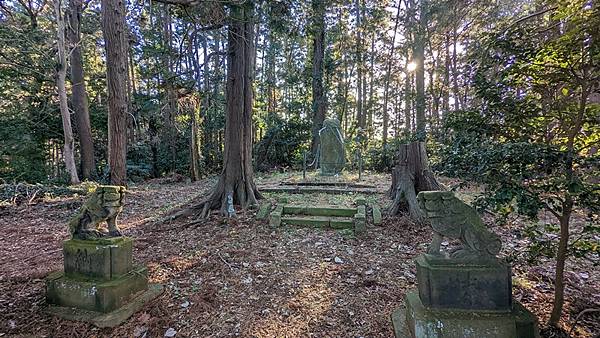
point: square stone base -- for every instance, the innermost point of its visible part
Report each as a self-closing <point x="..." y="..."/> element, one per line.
<point x="452" y="284"/>
<point x="110" y="319"/>
<point x="417" y="321"/>
<point x="95" y="295"/>
<point x="104" y="258"/>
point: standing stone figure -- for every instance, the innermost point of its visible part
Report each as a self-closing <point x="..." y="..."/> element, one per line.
<point x="332" y="157"/>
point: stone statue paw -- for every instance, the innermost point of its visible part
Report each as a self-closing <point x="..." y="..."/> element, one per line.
<point x="115" y="233"/>
<point x="90" y="234"/>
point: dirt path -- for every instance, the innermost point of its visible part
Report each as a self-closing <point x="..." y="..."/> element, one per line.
<point x="240" y="278"/>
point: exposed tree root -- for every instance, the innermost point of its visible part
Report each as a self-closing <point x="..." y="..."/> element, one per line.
<point x="410" y="176"/>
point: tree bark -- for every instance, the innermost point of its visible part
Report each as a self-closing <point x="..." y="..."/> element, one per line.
<point x="318" y="93"/>
<point x="566" y="210"/>
<point x="68" y="154"/>
<point x="360" y="116"/>
<point x="419" y="59"/>
<point x="113" y="29"/>
<point x="79" y="93"/>
<point x="410" y="176"/>
<point x="236" y="182"/>
<point x="407" y="104"/>
<point x="388" y="70"/>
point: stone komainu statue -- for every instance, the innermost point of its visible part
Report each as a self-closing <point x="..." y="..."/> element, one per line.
<point x="104" y="204"/>
<point x="451" y="217"/>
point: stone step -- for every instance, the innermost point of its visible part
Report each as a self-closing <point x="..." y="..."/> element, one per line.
<point x="319" y="211"/>
<point x="319" y="222"/>
<point x="295" y="189"/>
<point x="329" y="184"/>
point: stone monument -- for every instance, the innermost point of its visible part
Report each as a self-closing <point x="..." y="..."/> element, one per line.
<point x="466" y="293"/>
<point x="99" y="283"/>
<point x="332" y="156"/>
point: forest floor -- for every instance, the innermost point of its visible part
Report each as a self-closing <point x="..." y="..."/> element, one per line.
<point x="242" y="278"/>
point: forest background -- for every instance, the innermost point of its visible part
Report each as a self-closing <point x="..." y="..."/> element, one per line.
<point x="504" y="93"/>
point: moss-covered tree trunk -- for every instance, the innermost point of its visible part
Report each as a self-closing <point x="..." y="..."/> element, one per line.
<point x="410" y="176"/>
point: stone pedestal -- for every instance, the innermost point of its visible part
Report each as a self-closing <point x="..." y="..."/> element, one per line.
<point x="99" y="283"/>
<point x="418" y="321"/>
<point x="452" y="284"/>
<point x="462" y="299"/>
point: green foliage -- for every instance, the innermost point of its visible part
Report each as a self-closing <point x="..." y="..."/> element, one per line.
<point x="284" y="143"/>
<point x="529" y="140"/>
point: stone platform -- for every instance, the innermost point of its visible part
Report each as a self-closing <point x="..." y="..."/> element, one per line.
<point x="417" y="321"/>
<point x="99" y="283"/>
<point x="320" y="217"/>
<point x="109" y="319"/>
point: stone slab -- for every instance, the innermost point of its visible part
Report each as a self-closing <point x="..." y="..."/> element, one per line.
<point x="464" y="286"/>
<point x="329" y="184"/>
<point x="319" y="211"/>
<point x="332" y="155"/>
<point x="317" y="222"/>
<point x="341" y="223"/>
<point x="377" y="216"/>
<point x="316" y="189"/>
<point x="110" y="319"/>
<point x="95" y="295"/>
<point x="275" y="217"/>
<point x="422" y="322"/>
<point x="263" y="210"/>
<point x="105" y="259"/>
<point x="360" y="222"/>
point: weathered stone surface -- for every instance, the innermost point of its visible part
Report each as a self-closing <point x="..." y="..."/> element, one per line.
<point x="422" y="322"/>
<point x="317" y="222"/>
<point x="275" y="217"/>
<point x="444" y="283"/>
<point x="451" y="217"/>
<point x="263" y="211"/>
<point x="94" y="295"/>
<point x="332" y="156"/>
<point x="103" y="205"/>
<point x="341" y="223"/>
<point x="360" y="220"/>
<point x="377" y="216"/>
<point x="97" y="259"/>
<point x="110" y="319"/>
<point x="319" y="211"/>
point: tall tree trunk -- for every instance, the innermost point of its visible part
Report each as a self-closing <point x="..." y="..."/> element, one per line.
<point x="113" y="29"/>
<point x="388" y="70"/>
<point x="361" y="121"/>
<point x="407" y="104"/>
<point x="455" y="89"/>
<point x="446" y="85"/>
<point x="236" y="183"/>
<point x="318" y="94"/>
<point x="419" y="59"/>
<point x="371" y="95"/>
<point x="170" y="113"/>
<point x="79" y="93"/>
<point x="68" y="154"/>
